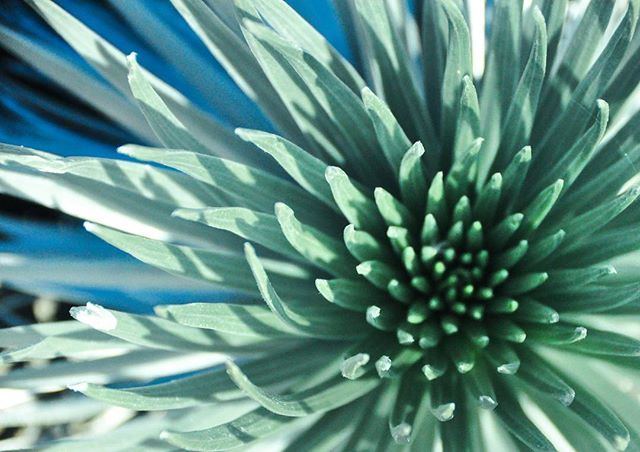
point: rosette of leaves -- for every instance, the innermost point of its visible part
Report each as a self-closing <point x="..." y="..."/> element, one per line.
<point x="426" y="257"/>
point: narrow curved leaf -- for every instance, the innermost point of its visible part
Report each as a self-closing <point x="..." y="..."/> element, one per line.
<point x="328" y="395"/>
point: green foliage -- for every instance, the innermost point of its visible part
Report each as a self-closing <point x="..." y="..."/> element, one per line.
<point x="425" y="253"/>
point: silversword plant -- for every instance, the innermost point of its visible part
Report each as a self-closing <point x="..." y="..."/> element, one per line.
<point x="435" y="249"/>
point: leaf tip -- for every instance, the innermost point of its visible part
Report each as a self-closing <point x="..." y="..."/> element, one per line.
<point x="487" y="402"/>
<point x="401" y="433"/>
<point x="444" y="412"/>
<point x="333" y="172"/>
<point x="352" y="367"/>
<point x="78" y="387"/>
<point x="383" y="366"/>
<point x="90" y="227"/>
<point x="95" y="316"/>
<point x="325" y="290"/>
<point x="509" y="368"/>
<point x="621" y="442"/>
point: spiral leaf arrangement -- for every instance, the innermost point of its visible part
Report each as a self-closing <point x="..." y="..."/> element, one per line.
<point x="429" y="245"/>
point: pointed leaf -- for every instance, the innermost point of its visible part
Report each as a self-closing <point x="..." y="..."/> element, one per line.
<point x="607" y="343"/>
<point x="391" y="136"/>
<point x="346" y="119"/>
<point x="258" y="227"/>
<point x="167" y="127"/>
<point x="519" y="119"/>
<point x="516" y="421"/>
<point x="301" y="316"/>
<point x="157" y="333"/>
<point x="250" y="187"/>
<point x="212" y="386"/>
<point x="458" y="64"/>
<point x="239" y="319"/>
<point x="327" y="395"/>
<point x="541" y="376"/>
<point x="221" y="270"/>
<point x="315" y="246"/>
<point x="287" y="22"/>
<point x="97" y="51"/>
<point x="304" y="168"/>
<point x="244" y="430"/>
<point x="388" y="62"/>
<point x="500" y="77"/>
<point x="600" y="417"/>
<point x="234" y="55"/>
<point x="355" y="205"/>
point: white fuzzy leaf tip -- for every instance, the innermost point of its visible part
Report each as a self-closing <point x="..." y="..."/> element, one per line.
<point x="352" y="368"/>
<point x="401" y="433"/>
<point x="94" y="316"/>
<point x="78" y="387"/>
<point x="383" y="366"/>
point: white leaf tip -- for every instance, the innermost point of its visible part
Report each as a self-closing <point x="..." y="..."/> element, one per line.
<point x="351" y="368"/>
<point x="333" y="172"/>
<point x="487" y="402"/>
<point x="78" y="387"/>
<point x="568" y="398"/>
<point x="132" y="58"/>
<point x="90" y="227"/>
<point x="95" y="316"/>
<point x="401" y="433"/>
<point x="508" y="368"/>
<point x="383" y="366"/>
<point x="430" y="372"/>
<point x="444" y="412"/>
<point x="581" y="333"/>
<point x="373" y="312"/>
<point x="620" y="442"/>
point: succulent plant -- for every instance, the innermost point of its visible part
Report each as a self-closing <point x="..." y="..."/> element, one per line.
<point x="427" y="251"/>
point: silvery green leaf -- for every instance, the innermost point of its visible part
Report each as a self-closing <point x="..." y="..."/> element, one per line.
<point x="520" y="115"/>
<point x="573" y="119"/>
<point x="592" y="411"/>
<point x="211" y="386"/>
<point x="392" y="137"/>
<point x="316" y="247"/>
<point x="96" y="51"/>
<point x="328" y="395"/>
<point x="287" y="22"/>
<point x="307" y="170"/>
<point x="514" y="419"/>
<point x="254" y="425"/>
<point x="261" y="228"/>
<point x="246" y="186"/>
<point x="95" y="201"/>
<point x="500" y="79"/>
<point x="388" y="62"/>
<point x="577" y="57"/>
<point x="153" y="183"/>
<point x="458" y="64"/>
<point x="61" y="339"/>
<point x="138" y="365"/>
<point x="233" y="53"/>
<point x="347" y="124"/>
<point x="195" y="263"/>
<point x="300" y="315"/>
<point x="235" y="319"/>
